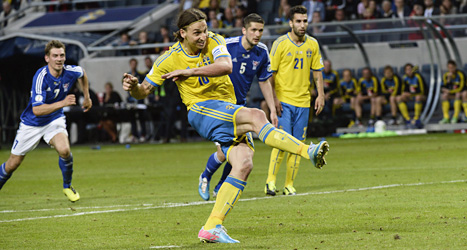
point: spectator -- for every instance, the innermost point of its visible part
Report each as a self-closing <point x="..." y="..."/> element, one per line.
<point x="348" y="92"/>
<point x="8" y="12"/>
<point x="368" y="90"/>
<point x="213" y="21"/>
<point x="283" y="15"/>
<point x="315" y="6"/>
<point x="108" y="123"/>
<point x="241" y="11"/>
<point x="386" y="10"/>
<point x="186" y="4"/>
<point x="351" y="9"/>
<point x="402" y="10"/>
<point x="229" y="20"/>
<point x="430" y="9"/>
<point x="463" y="6"/>
<point x="317" y="29"/>
<point x="447" y="8"/>
<point x="163" y="37"/>
<point x="143" y="39"/>
<point x="362" y="6"/>
<point x="339" y="16"/>
<point x="139" y="105"/>
<point x="125" y="40"/>
<point x="332" y="6"/>
<point x="416" y="12"/>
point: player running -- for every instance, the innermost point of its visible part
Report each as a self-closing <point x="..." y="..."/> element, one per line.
<point x="199" y="64"/>
<point x="250" y="58"/>
<point x="292" y="57"/>
<point x="44" y="118"/>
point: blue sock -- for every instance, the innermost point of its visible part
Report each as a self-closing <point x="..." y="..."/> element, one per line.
<point x="66" y="165"/>
<point x="227" y="169"/>
<point x="211" y="166"/>
<point x="3" y="175"/>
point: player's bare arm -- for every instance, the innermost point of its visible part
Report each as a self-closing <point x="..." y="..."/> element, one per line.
<point x="319" y="103"/>
<point x="137" y="90"/>
<point x="267" y="91"/>
<point x="221" y="66"/>
<point x="46" y="109"/>
<point x="277" y="103"/>
<point x="83" y="84"/>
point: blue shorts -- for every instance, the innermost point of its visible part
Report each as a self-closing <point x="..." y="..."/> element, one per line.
<point x="215" y="121"/>
<point x="294" y="120"/>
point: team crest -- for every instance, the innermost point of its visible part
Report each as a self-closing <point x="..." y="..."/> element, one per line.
<point x="246" y="56"/>
<point x="309" y="53"/>
<point x="229" y="107"/>
<point x="255" y="64"/>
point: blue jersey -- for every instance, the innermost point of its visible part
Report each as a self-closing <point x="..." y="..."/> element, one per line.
<point x="246" y="65"/>
<point x="46" y="89"/>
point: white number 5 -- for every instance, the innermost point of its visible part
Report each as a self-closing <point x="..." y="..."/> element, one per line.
<point x="56" y="91"/>
<point x="242" y="67"/>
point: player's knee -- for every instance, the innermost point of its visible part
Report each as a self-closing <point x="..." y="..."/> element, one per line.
<point x="64" y="152"/>
<point x="247" y="166"/>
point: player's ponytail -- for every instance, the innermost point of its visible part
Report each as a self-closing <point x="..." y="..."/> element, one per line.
<point x="186" y="18"/>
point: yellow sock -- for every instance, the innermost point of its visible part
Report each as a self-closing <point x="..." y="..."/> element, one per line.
<point x="228" y="195"/>
<point x="464" y="104"/>
<point x="293" y="163"/>
<point x="457" y="108"/>
<point x="445" y="106"/>
<point x="404" y="111"/>
<point x="418" y="110"/>
<point x="278" y="138"/>
<point x="274" y="164"/>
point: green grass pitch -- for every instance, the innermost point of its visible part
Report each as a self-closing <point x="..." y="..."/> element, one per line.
<point x="386" y="193"/>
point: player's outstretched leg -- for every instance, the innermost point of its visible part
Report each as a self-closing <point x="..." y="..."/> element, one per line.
<point x="214" y="162"/>
<point x="225" y="173"/>
<point x="241" y="158"/>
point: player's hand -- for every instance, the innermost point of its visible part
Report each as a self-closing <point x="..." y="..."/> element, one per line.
<point x="69" y="100"/>
<point x="319" y="104"/>
<point x="274" y="120"/>
<point x="179" y="74"/>
<point x="87" y="104"/>
<point x="278" y="105"/>
<point x="129" y="82"/>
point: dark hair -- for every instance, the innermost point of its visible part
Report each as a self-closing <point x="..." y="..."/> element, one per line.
<point x="299" y="9"/>
<point x="252" y="18"/>
<point x="350" y="72"/>
<point x="186" y="18"/>
<point x="133" y="59"/>
<point x="53" y="44"/>
<point x="408" y="64"/>
<point x="388" y="67"/>
<point x="452" y="62"/>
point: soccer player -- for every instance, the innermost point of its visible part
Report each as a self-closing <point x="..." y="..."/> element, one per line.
<point x="414" y="87"/>
<point x="454" y="87"/>
<point x="250" y="58"/>
<point x="293" y="56"/>
<point x="44" y="118"/>
<point x="348" y="91"/>
<point x="391" y="87"/>
<point x="331" y="86"/>
<point x="199" y="63"/>
<point x="368" y="89"/>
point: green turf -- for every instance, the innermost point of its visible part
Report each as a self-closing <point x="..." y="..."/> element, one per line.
<point x="125" y="193"/>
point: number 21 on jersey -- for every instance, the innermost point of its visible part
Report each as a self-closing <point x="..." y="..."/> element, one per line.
<point x="298" y="63"/>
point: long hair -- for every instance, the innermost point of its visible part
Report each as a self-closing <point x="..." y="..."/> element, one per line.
<point x="186" y="18"/>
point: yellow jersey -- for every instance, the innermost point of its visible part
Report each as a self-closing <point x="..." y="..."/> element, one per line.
<point x="292" y="64"/>
<point x="195" y="89"/>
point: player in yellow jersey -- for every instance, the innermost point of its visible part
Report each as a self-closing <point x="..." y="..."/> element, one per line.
<point x="292" y="57"/>
<point x="454" y="87"/>
<point x="199" y="64"/>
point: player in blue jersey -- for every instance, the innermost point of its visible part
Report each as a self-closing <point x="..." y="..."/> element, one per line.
<point x="250" y="58"/>
<point x="44" y="118"/>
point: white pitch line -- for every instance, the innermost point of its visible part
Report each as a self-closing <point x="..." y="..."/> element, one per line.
<point x="163" y="247"/>
<point x="197" y="203"/>
<point x="71" y="208"/>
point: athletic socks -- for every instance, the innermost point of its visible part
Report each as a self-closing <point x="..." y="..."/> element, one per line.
<point x="445" y="106"/>
<point x="211" y="166"/>
<point x="66" y="165"/>
<point x="457" y="108"/>
<point x="274" y="164"/>
<point x="404" y="111"/>
<point x="293" y="163"/>
<point x="417" y="110"/>
<point x="228" y="195"/>
<point x="4" y="176"/>
<point x="225" y="173"/>
<point x="278" y="138"/>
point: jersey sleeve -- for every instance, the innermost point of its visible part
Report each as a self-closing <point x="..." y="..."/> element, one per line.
<point x="275" y="56"/>
<point x="316" y="60"/>
<point x="265" y="71"/>
<point x="38" y="90"/>
<point x="161" y="66"/>
<point x="76" y="70"/>
<point x="217" y="46"/>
